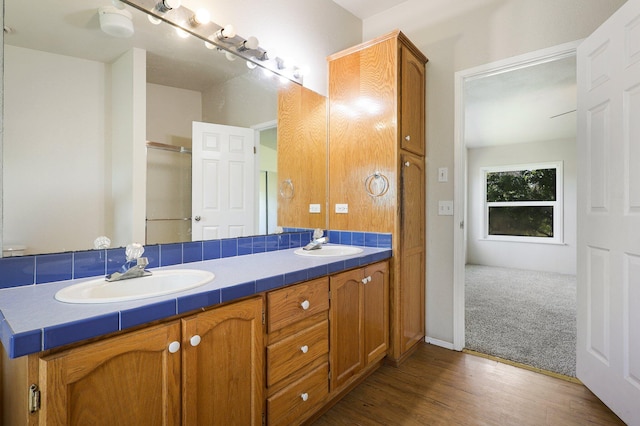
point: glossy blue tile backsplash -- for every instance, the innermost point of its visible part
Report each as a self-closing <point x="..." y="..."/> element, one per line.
<point x="45" y="268"/>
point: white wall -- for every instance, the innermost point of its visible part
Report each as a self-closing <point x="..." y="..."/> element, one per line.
<point x="170" y="112"/>
<point x="44" y="214"/>
<point x="241" y="101"/>
<point x="456" y="36"/>
<point x="531" y="256"/>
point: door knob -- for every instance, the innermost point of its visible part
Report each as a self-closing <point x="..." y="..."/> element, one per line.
<point x="197" y="218"/>
<point x="195" y="340"/>
<point x="174" y="347"/>
<point x="305" y="305"/>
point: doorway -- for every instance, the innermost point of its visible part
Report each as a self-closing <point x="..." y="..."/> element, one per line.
<point x="473" y="218"/>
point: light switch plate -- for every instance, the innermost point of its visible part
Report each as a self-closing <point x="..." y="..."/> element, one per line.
<point x="443" y="174"/>
<point x="314" y="208"/>
<point x="445" y="208"/>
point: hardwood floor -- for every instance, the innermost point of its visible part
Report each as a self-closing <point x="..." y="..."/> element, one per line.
<point x="436" y="386"/>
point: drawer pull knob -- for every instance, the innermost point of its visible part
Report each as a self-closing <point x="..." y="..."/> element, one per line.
<point x="174" y="347"/>
<point x="304" y="396"/>
<point x="195" y="340"/>
<point x="304" y="349"/>
<point x="305" y="305"/>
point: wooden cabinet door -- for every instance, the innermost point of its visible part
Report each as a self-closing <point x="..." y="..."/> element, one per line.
<point x="376" y="311"/>
<point x="412" y="101"/>
<point x="410" y="299"/>
<point x="129" y="379"/>
<point x="223" y="365"/>
<point x="346" y="354"/>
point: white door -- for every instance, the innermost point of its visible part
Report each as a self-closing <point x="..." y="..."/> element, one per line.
<point x="223" y="182"/>
<point x="608" y="351"/>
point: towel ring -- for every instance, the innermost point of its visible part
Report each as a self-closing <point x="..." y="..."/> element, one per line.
<point x="376" y="184"/>
<point x="286" y="189"/>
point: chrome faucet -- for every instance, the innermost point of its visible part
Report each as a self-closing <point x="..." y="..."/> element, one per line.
<point x="316" y="243"/>
<point x="135" y="265"/>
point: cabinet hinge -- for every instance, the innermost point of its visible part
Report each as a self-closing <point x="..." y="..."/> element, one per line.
<point x="263" y="317"/>
<point x="329" y="294"/>
<point x="264" y="420"/>
<point x="34" y="398"/>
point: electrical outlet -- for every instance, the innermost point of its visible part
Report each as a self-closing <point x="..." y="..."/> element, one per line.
<point x="342" y="208"/>
<point x="314" y="208"/>
<point x="445" y="208"/>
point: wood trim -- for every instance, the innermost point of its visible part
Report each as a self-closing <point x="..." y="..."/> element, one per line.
<point x="395" y="34"/>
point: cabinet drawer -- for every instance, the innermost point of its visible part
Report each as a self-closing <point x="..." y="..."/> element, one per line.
<point x="295" y="403"/>
<point x="295" y="303"/>
<point x="290" y="354"/>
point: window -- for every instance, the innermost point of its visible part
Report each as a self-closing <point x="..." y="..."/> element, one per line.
<point x="524" y="203"/>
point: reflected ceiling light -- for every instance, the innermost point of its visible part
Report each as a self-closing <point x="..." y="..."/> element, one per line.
<point x="230" y="56"/>
<point x="210" y="45"/>
<point x="202" y="16"/>
<point x="115" y="22"/>
<point x="227" y="32"/>
<point x="249" y="44"/>
<point x="181" y="33"/>
<point x="251" y="65"/>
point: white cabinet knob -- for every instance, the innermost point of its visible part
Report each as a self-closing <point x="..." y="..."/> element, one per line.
<point x="195" y="340"/>
<point x="407" y="138"/>
<point x="304" y="396"/>
<point x="174" y="347"/>
<point x="366" y="279"/>
<point x="407" y="164"/>
<point x="304" y="349"/>
<point x="305" y="305"/>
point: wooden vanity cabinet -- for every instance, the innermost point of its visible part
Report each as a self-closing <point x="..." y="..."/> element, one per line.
<point x="376" y="117"/>
<point x="223" y="365"/>
<point x="160" y="375"/>
<point x="359" y="318"/>
<point x="130" y="378"/>
<point x="297" y="351"/>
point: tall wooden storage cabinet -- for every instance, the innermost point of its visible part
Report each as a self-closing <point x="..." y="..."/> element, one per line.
<point x="377" y="165"/>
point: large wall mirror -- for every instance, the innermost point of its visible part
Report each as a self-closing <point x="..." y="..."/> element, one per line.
<point x="99" y="135"/>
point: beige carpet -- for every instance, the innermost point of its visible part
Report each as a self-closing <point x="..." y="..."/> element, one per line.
<point x="522" y="316"/>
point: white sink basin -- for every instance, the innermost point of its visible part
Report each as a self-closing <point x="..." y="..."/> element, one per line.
<point x="329" y="251"/>
<point x="159" y="283"/>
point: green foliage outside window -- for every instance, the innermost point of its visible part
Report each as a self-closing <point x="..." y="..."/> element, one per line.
<point x="521" y="186"/>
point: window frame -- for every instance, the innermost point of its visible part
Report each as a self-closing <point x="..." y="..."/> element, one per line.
<point x="557" y="205"/>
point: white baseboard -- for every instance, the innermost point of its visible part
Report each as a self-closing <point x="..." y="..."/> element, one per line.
<point x="441" y="343"/>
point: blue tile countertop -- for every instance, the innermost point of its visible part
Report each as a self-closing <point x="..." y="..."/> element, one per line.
<point x="31" y="320"/>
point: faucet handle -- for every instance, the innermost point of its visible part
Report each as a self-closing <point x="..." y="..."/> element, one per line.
<point x="134" y="251"/>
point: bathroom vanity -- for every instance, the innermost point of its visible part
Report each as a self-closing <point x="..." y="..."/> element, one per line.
<point x="300" y="341"/>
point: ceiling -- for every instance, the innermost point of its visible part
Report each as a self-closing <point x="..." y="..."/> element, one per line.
<point x="366" y="8"/>
<point x="530" y="104"/>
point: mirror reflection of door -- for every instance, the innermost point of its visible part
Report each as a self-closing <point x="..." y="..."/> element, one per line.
<point x="268" y="179"/>
<point x="222" y="182"/>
